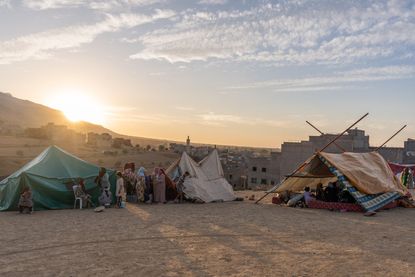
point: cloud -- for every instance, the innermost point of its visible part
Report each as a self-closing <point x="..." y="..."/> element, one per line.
<point x="285" y="33"/>
<point x="5" y="3"/>
<point x="335" y="81"/>
<point x="223" y="120"/>
<point x="42" y="45"/>
<point x="213" y="2"/>
<point x="186" y="109"/>
<point x="97" y="4"/>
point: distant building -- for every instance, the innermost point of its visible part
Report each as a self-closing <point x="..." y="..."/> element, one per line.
<point x="293" y="154"/>
<point x="235" y="169"/>
<point x="264" y="171"/>
<point x="10" y="129"/>
<point x="55" y="133"/>
<point x="99" y="140"/>
<point x="177" y="148"/>
<point x="121" y="142"/>
<point x="409" y="152"/>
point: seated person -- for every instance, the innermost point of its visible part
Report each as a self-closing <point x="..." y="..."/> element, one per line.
<point x="25" y="201"/>
<point x="331" y="193"/>
<point x="81" y="193"/>
<point x="307" y="195"/>
<point x="346" y="197"/>
<point x="320" y="192"/>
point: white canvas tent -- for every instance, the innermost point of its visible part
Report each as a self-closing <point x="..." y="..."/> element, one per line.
<point x="206" y="181"/>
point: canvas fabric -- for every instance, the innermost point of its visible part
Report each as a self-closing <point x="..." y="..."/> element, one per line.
<point x="206" y="181"/>
<point x="369" y="203"/>
<point x="368" y="172"/>
<point x="50" y="176"/>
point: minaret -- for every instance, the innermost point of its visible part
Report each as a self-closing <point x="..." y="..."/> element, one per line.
<point x="188" y="145"/>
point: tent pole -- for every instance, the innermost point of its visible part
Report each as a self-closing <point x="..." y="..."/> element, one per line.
<point x="315" y="128"/>
<point x="298" y="169"/>
<point x="286" y="178"/>
<point x="394" y="135"/>
<point x="339" y="136"/>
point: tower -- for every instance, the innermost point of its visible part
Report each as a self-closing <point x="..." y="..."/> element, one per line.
<point x="188" y="145"/>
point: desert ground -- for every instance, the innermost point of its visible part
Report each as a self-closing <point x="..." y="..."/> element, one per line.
<point x="218" y="239"/>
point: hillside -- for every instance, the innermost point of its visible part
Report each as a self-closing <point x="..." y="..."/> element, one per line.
<point x="25" y="113"/>
<point x="15" y="111"/>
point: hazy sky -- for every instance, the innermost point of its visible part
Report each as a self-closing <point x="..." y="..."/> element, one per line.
<point x="221" y="71"/>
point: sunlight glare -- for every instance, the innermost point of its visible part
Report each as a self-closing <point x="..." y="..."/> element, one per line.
<point x="78" y="106"/>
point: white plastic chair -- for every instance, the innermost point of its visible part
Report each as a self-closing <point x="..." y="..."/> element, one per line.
<point x="76" y="198"/>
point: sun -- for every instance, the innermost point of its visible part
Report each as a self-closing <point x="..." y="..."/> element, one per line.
<point x="77" y="106"/>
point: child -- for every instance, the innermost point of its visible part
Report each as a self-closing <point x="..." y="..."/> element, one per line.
<point x="81" y="193"/>
<point x="120" y="192"/>
<point x="25" y="201"/>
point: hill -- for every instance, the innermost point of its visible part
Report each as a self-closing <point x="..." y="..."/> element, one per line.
<point x="25" y="113"/>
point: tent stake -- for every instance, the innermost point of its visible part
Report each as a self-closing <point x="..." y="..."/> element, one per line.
<point x="298" y="169"/>
<point x="315" y="128"/>
<point x="394" y="135"/>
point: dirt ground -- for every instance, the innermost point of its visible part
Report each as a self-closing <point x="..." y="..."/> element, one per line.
<point x="222" y="239"/>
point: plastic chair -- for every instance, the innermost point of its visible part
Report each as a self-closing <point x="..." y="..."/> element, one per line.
<point x="76" y="198"/>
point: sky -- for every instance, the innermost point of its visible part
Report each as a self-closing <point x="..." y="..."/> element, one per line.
<point x="225" y="72"/>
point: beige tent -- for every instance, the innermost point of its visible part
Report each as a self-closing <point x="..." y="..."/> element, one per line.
<point x="206" y="182"/>
<point x="367" y="176"/>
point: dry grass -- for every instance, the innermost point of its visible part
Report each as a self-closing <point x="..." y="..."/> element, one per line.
<point x="11" y="160"/>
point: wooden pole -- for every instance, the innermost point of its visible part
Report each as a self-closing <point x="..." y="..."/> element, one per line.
<point x="286" y="178"/>
<point x="340" y="135"/>
<point x="325" y="147"/>
<point x="394" y="135"/>
<point x="315" y="128"/>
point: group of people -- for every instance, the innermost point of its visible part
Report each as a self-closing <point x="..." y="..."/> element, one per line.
<point x="334" y="192"/>
<point x="154" y="188"/>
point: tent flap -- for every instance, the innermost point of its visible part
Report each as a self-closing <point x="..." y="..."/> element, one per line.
<point x="206" y="181"/>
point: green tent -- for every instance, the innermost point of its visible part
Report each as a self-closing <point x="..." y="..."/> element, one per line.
<point x="51" y="176"/>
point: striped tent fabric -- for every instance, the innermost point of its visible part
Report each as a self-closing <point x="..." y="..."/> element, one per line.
<point x="369" y="202"/>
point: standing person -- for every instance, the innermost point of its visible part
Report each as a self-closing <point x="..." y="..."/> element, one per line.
<point x="180" y="187"/>
<point x="102" y="180"/>
<point x="159" y="186"/>
<point x="25" y="201"/>
<point x="120" y="191"/>
<point x="140" y="184"/>
<point x="148" y="193"/>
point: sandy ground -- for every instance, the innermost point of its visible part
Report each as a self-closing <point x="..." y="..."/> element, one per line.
<point x="224" y="239"/>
